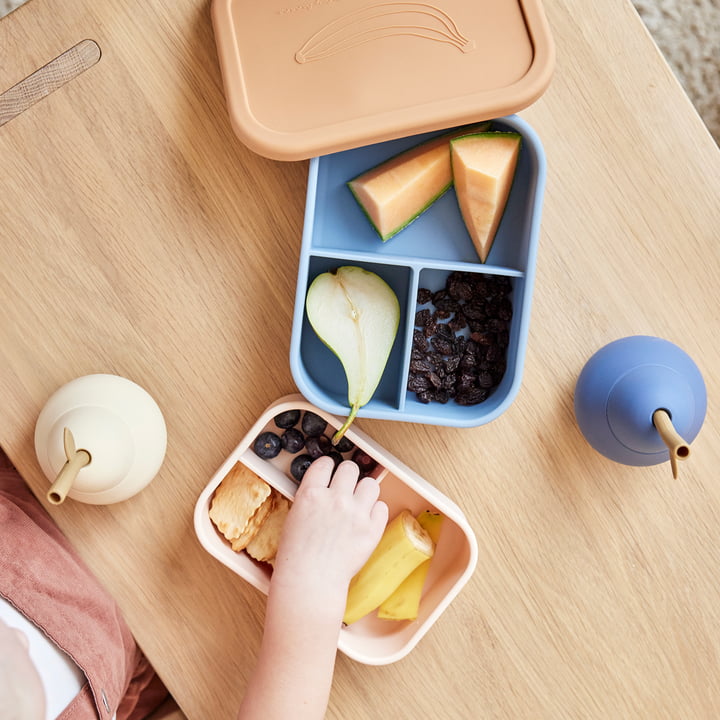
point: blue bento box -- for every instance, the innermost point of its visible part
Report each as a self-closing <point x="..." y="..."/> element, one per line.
<point x="422" y="256"/>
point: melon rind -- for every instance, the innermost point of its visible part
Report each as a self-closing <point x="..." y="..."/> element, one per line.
<point x="385" y="237"/>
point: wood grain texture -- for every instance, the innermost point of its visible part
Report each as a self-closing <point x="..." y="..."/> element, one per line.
<point x="47" y="79"/>
<point x="596" y="591"/>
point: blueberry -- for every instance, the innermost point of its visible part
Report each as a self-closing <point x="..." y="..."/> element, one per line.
<point x="312" y="424"/>
<point x="364" y="462"/>
<point x="317" y="446"/>
<point x="345" y="445"/>
<point x="299" y="466"/>
<point x="292" y="440"/>
<point x="267" y="445"/>
<point x="287" y="419"/>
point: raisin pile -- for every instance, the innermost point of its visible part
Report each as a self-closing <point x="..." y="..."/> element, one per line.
<point x="460" y="339"/>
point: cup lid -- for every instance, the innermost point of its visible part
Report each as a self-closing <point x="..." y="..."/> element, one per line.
<point x="116" y="422"/>
<point x="309" y="77"/>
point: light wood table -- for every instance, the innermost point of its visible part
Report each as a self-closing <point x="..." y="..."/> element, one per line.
<point x="139" y="237"/>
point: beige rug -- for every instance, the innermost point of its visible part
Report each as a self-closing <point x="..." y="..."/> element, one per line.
<point x="686" y="31"/>
<point x="688" y="34"/>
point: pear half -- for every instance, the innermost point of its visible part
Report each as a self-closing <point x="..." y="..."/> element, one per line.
<point x="356" y="314"/>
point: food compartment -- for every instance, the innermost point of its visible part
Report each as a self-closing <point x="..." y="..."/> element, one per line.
<point x="335" y="222"/>
<point x="424" y="253"/>
<point x="467" y="346"/>
<point x="369" y="640"/>
<point x="338" y="223"/>
<point x="318" y="372"/>
<point x="277" y="472"/>
<point x="379" y="641"/>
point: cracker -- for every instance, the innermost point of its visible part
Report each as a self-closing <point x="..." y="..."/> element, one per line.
<point x="264" y="545"/>
<point x="236" y="501"/>
<point x="254" y="524"/>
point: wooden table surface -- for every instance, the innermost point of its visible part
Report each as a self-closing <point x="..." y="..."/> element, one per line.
<point x="139" y="237"/>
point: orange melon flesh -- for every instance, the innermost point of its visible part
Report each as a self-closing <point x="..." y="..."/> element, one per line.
<point x="483" y="168"/>
<point x="396" y="192"/>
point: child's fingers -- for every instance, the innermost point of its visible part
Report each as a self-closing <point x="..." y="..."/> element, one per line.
<point x="319" y="473"/>
<point x="379" y="517"/>
<point x="368" y="490"/>
<point x="346" y="477"/>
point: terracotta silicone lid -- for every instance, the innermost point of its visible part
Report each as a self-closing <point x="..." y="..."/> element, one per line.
<point x="308" y="77"/>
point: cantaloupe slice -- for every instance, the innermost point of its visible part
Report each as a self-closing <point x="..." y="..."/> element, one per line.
<point x="483" y="168"/>
<point x="400" y="189"/>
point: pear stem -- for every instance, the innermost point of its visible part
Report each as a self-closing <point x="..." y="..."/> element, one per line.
<point x="339" y="434"/>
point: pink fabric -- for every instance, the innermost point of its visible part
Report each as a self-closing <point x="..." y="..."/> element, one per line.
<point x="43" y="577"/>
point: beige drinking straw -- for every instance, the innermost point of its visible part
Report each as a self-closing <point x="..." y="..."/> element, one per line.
<point x="76" y="460"/>
<point x="676" y="445"/>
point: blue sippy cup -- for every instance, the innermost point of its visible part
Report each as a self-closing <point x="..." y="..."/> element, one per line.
<point x="621" y="388"/>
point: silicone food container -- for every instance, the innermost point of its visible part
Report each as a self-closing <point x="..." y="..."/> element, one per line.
<point x="370" y="640"/>
<point x="336" y="233"/>
<point x="311" y="77"/>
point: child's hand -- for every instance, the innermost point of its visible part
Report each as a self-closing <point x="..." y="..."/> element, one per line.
<point x="331" y="529"/>
<point x="329" y="533"/>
